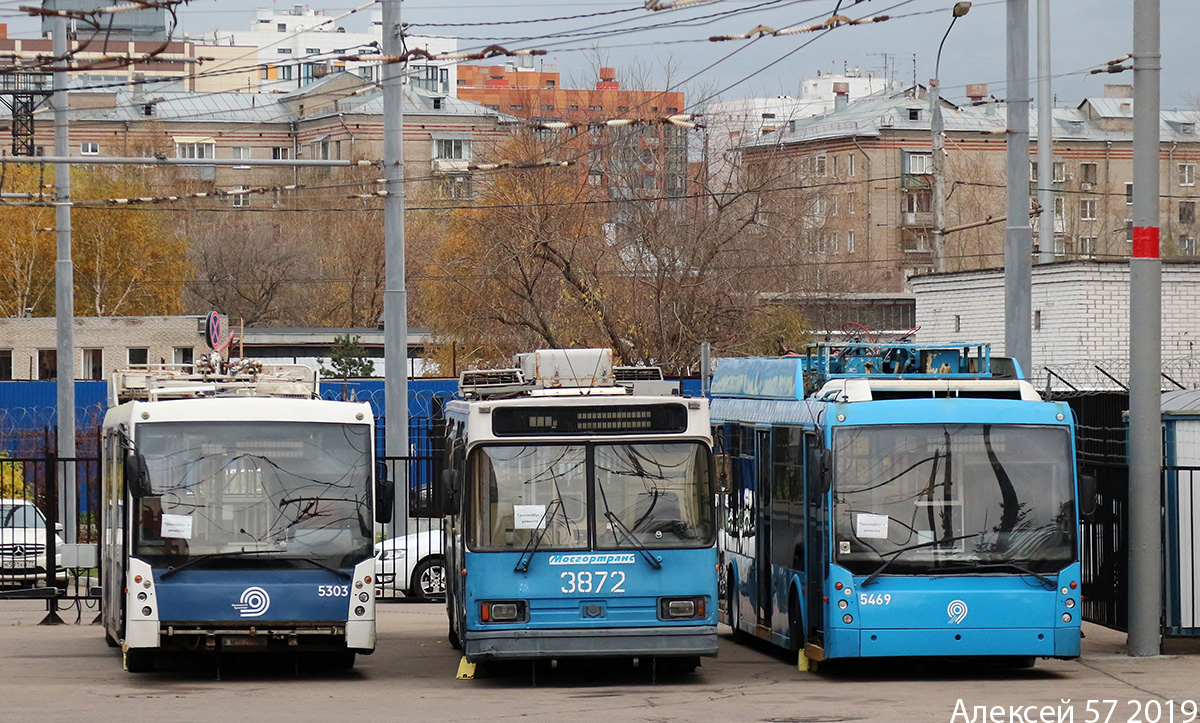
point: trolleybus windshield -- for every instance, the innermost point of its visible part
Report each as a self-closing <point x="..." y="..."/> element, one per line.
<point x="953" y="499"/>
<point x="250" y="490"/>
<point x="591" y="496"/>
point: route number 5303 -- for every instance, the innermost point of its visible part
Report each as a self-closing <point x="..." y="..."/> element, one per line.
<point x="586" y="582"/>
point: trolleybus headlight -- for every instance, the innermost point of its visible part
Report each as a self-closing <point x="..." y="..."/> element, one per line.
<point x="360" y="611"/>
<point x="141" y="597"/>
<point x="682" y="608"/>
<point x="363" y="597"/>
<point x="843" y="604"/>
<point x="1070" y="603"/>
<point x="508" y="611"/>
<point x="147" y="611"/>
<point x="847" y="618"/>
<point x="1066" y="617"/>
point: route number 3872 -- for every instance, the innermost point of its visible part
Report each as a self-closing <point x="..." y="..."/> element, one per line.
<point x="586" y="582"/>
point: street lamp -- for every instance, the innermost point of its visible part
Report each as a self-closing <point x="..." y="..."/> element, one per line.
<point x="938" y="128"/>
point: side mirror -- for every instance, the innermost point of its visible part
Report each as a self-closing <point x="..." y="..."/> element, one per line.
<point x="723" y="472"/>
<point x="385" y="494"/>
<point x="1087" y="494"/>
<point x="137" y="475"/>
<point x="451" y="486"/>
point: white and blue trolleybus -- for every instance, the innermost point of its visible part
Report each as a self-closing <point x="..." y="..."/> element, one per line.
<point x="579" y="514"/>
<point x="897" y="500"/>
<point x="239" y="514"/>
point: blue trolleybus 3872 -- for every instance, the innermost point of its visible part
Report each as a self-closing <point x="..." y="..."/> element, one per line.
<point x="579" y="514"/>
<point x="897" y="500"/>
<point x="239" y="514"/>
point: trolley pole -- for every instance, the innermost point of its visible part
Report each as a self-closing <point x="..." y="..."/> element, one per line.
<point x="395" y="297"/>
<point x="1018" y="240"/>
<point x="1145" y="344"/>
<point x="64" y="287"/>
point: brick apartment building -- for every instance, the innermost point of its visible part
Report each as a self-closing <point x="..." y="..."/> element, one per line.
<point x="630" y="161"/>
<point x="870" y="159"/>
<point x="339" y="117"/>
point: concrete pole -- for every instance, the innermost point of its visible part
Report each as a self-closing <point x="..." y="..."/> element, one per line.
<point x="395" y="297"/>
<point x="1018" y="240"/>
<point x="1145" y="344"/>
<point x="64" y="287"/>
<point x="937" y="126"/>
<point x="1045" y="138"/>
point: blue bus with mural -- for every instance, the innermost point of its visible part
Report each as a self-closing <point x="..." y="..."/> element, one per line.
<point x="238" y="514"/>
<point x="580" y="514"/>
<point x="896" y="500"/>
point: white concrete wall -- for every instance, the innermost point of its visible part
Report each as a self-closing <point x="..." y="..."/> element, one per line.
<point x="1083" y="309"/>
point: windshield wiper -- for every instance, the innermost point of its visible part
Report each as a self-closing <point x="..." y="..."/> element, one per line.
<point x="897" y="553"/>
<point x="239" y="553"/>
<point x="535" y="541"/>
<point x="1016" y="567"/>
<point x="637" y="544"/>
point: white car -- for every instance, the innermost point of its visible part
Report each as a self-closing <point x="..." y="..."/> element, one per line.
<point x="413" y="565"/>
<point x="23" y="544"/>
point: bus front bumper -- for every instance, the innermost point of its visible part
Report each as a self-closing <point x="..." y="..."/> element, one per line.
<point x="609" y="642"/>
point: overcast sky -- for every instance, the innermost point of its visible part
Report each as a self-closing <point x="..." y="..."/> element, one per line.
<point x="1085" y="34"/>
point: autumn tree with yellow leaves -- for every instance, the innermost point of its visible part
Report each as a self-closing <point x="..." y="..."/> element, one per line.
<point x="544" y="257"/>
<point x="125" y="262"/>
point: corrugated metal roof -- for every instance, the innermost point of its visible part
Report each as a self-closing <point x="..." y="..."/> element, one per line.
<point x="869" y="116"/>
<point x="197" y="107"/>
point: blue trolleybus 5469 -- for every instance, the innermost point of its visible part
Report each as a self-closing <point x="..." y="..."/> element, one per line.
<point x="239" y="514"/>
<point x="579" y="513"/>
<point x="897" y="500"/>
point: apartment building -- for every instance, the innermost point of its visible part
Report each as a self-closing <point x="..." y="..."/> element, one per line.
<point x="339" y="117"/>
<point x="638" y="160"/>
<point x="300" y="45"/>
<point x="870" y="161"/>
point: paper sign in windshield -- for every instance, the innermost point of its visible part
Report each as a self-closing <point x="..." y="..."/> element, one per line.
<point x="875" y="526"/>
<point x="179" y="526"/>
<point x="528" y="517"/>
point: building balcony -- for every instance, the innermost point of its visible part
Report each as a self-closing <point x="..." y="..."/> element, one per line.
<point x="917" y="219"/>
<point x="450" y="165"/>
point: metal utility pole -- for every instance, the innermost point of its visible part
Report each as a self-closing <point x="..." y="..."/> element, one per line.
<point x="395" y="296"/>
<point x="64" y="286"/>
<point x="937" y="127"/>
<point x="1045" y="138"/>
<point x="1018" y="240"/>
<point x="1145" y="344"/>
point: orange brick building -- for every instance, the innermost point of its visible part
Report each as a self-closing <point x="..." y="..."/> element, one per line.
<point x="642" y="160"/>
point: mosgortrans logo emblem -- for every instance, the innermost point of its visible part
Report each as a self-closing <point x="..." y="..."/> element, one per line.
<point x="615" y="558"/>
<point x="957" y="610"/>
<point x="254" y="602"/>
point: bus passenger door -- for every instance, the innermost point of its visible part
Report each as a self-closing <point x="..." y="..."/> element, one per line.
<point x="762" y="541"/>
<point x="814" y="532"/>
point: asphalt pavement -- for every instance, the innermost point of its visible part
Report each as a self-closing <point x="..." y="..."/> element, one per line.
<point x="67" y="673"/>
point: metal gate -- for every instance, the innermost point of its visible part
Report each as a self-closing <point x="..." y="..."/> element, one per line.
<point x="35" y="560"/>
